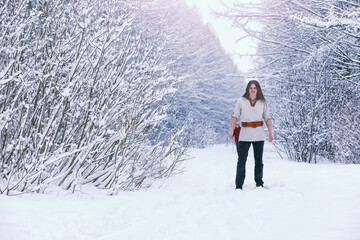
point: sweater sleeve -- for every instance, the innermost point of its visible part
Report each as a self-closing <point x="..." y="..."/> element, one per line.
<point x="266" y="113"/>
<point x="237" y="110"/>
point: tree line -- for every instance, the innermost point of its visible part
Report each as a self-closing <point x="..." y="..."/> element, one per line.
<point x="88" y="93"/>
<point x="309" y="62"/>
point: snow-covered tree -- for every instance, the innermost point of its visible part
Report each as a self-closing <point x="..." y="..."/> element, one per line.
<point x="309" y="62"/>
<point x="211" y="82"/>
<point x="83" y="95"/>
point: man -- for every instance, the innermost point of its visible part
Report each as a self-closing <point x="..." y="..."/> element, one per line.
<point x="251" y="109"/>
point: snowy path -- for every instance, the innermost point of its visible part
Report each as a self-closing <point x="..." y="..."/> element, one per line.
<point x="312" y="202"/>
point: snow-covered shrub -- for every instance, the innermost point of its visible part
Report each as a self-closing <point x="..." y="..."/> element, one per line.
<point x="83" y="93"/>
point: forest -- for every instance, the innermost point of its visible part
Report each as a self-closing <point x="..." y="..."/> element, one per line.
<point x="107" y="93"/>
<point x="113" y="93"/>
<point x="308" y="60"/>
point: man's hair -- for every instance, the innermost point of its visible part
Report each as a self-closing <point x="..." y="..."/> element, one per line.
<point x="259" y="94"/>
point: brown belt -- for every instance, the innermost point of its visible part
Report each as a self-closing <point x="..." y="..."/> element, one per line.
<point x="252" y="124"/>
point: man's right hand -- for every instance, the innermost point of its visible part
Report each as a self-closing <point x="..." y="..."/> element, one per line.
<point x="231" y="134"/>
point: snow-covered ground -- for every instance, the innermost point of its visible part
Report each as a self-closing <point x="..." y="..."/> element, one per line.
<point x="302" y="201"/>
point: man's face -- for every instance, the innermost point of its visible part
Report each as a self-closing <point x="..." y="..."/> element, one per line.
<point x="253" y="91"/>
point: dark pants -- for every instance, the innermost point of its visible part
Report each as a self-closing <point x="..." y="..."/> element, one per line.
<point x="242" y="151"/>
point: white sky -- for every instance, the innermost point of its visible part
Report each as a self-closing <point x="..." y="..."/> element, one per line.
<point x="226" y="33"/>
